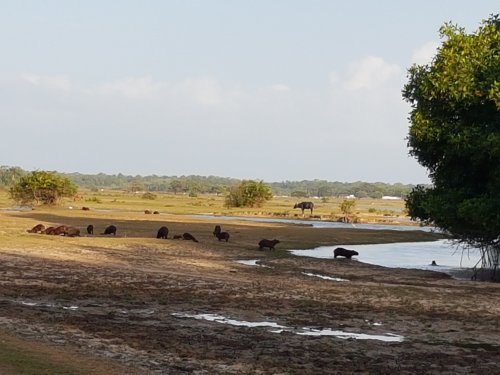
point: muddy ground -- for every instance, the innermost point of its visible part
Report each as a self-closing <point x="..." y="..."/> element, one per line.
<point x="129" y="304"/>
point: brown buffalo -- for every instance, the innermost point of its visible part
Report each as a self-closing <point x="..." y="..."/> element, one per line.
<point x="217" y="230"/>
<point x="39" y="228"/>
<point x="72" y="232"/>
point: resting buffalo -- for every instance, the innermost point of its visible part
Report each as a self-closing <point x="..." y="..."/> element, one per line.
<point x="156" y="212"/>
<point x="189" y="236"/>
<point x="177" y="237"/>
<point x="90" y="229"/>
<point x="305" y="206"/>
<point x="60" y="230"/>
<point x="110" y="230"/>
<point x="162" y="233"/>
<point x="49" y="230"/>
<point x="148" y="212"/>
<point x="222" y="236"/>
<point x="37" y="228"/>
<point x="340" y="251"/>
<point x="268" y="243"/>
<point x="86" y="208"/>
<point x="217" y="230"/>
<point x="72" y="232"/>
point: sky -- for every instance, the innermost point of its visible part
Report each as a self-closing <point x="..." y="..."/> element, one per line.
<point x="271" y="90"/>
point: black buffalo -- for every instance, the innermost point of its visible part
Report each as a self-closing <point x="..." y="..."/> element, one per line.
<point x="189" y="236"/>
<point x="341" y="252"/>
<point x="222" y="236"/>
<point x="162" y="233"/>
<point x="305" y="206"/>
<point x="268" y="243"/>
<point x="110" y="230"/>
<point x="90" y="229"/>
<point x="217" y="230"/>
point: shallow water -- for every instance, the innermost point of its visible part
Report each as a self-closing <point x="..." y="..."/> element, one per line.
<point x="405" y="255"/>
<point x="304" y="331"/>
<point x="320" y="224"/>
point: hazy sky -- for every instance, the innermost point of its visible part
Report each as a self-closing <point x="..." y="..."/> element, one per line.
<point x="273" y="90"/>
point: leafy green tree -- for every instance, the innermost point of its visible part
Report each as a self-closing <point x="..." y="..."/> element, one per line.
<point x="248" y="193"/>
<point x="347" y="208"/>
<point x="42" y="187"/>
<point x="10" y="175"/>
<point x="455" y="134"/>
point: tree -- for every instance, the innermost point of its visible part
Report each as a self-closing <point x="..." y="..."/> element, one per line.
<point x="42" y="187"/>
<point x="347" y="207"/>
<point x="455" y="134"/>
<point x="248" y="193"/>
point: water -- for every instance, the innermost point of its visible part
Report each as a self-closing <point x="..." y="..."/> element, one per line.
<point x="304" y="331"/>
<point x="320" y="224"/>
<point x="405" y="255"/>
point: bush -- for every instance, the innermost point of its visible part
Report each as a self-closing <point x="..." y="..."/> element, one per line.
<point x="248" y="193"/>
<point x="42" y="187"/>
<point x="149" y="196"/>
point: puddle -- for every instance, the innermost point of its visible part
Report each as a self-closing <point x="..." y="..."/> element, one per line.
<point x="324" y="277"/>
<point x="276" y="328"/>
<point x="33" y="304"/>
<point x="251" y="262"/>
<point x="388" y="337"/>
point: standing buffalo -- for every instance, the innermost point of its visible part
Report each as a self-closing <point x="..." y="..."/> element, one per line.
<point x="37" y="228"/>
<point x="268" y="243"/>
<point x="340" y="251"/>
<point x="222" y="236"/>
<point x="110" y="230"/>
<point x="305" y="206"/>
<point x="189" y="236"/>
<point x="90" y="229"/>
<point x="162" y="233"/>
<point x="217" y="230"/>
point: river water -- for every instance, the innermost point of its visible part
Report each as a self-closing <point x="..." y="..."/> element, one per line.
<point x="420" y="255"/>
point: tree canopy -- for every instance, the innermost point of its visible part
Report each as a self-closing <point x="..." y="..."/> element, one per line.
<point x="248" y="193"/>
<point x="42" y="187"/>
<point x="455" y="134"/>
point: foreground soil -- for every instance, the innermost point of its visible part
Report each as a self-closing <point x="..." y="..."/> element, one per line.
<point x="133" y="304"/>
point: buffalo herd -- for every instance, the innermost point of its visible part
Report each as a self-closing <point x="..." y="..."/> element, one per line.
<point x="69" y="231"/>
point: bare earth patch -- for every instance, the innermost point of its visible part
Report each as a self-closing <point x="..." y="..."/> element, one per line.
<point x="135" y="304"/>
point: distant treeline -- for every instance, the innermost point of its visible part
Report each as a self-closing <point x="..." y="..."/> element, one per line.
<point x="217" y="185"/>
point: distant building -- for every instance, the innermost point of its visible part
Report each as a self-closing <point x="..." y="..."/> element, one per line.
<point x="389" y="197"/>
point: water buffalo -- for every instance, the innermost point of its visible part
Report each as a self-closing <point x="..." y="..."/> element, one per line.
<point x="268" y="243"/>
<point x="90" y="229"/>
<point x="305" y="206"/>
<point x="148" y="212"/>
<point x="48" y="230"/>
<point x="37" y="228"/>
<point x="86" y="208"/>
<point x="177" y="237"/>
<point x="110" y="230"/>
<point x="189" y="236"/>
<point x="162" y="233"/>
<point x="217" y="230"/>
<point x="72" y="232"/>
<point x="60" y="230"/>
<point x="156" y="212"/>
<point x="222" y="236"/>
<point x="340" y="251"/>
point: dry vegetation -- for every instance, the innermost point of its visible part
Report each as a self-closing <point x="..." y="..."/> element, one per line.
<point x="96" y="304"/>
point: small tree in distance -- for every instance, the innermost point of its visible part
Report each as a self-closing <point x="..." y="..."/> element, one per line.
<point x="42" y="187"/>
<point x="248" y="193"/>
<point x="347" y="207"/>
